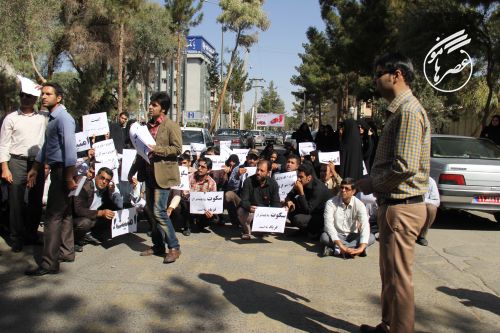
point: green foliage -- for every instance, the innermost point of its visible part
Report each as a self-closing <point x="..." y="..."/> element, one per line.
<point x="183" y="14"/>
<point x="270" y="101"/>
<point x="237" y="84"/>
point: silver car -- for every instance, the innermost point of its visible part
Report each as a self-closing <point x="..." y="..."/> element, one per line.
<point x="467" y="172"/>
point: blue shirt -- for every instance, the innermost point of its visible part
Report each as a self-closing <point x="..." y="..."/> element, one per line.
<point x="60" y="141"/>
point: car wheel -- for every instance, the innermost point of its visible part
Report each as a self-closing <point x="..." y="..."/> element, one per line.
<point x="497" y="216"/>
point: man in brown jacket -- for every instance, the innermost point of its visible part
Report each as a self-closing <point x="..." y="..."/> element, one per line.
<point x="161" y="173"/>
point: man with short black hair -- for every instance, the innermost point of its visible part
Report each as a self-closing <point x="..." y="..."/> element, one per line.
<point x="347" y="231"/>
<point x="292" y="163"/>
<point x="306" y="201"/>
<point x="59" y="152"/>
<point x="161" y="173"/>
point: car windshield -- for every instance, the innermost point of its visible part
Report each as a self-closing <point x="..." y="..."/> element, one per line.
<point x="228" y="132"/>
<point x="255" y="132"/>
<point x="189" y="137"/>
<point x="454" y="147"/>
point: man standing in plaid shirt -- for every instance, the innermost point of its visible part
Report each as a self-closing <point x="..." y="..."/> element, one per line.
<point x="399" y="179"/>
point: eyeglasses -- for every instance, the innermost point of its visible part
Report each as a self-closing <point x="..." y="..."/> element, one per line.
<point x="345" y="188"/>
<point x="378" y="75"/>
<point x="107" y="180"/>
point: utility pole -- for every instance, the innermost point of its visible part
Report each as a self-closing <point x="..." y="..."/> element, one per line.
<point x="254" y="108"/>
<point x="242" y="104"/>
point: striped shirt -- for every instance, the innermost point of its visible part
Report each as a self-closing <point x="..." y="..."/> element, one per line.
<point x="402" y="161"/>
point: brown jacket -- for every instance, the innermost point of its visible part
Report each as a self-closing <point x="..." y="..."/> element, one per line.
<point x="168" y="147"/>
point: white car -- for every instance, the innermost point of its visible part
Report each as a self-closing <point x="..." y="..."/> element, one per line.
<point x="195" y="135"/>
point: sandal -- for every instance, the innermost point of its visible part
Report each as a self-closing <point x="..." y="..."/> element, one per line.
<point x="246" y="236"/>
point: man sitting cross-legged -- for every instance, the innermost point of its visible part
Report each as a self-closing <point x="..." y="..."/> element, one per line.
<point x="347" y="232"/>
<point x="94" y="205"/>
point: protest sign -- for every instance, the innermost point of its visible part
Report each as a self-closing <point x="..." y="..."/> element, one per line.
<point x="105" y="151"/>
<point x="95" y="124"/>
<point x="141" y="138"/>
<point x="225" y="151"/>
<point x="82" y="141"/>
<point x="76" y="191"/>
<point x="200" y="202"/>
<point x="326" y="158"/>
<point x="250" y="171"/>
<point x="184" y="185"/>
<point x="124" y="222"/>
<point x="286" y="181"/>
<point x="218" y="161"/>
<point x="186" y="147"/>
<point x="225" y="143"/>
<point x="197" y="148"/>
<point x="269" y="219"/>
<point x="305" y="148"/>
<point x="128" y="157"/>
<point x="242" y="154"/>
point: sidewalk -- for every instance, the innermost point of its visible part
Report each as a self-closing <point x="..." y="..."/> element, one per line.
<point x="223" y="284"/>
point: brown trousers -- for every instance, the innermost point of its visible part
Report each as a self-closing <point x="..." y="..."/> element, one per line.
<point x="399" y="226"/>
<point x="58" y="241"/>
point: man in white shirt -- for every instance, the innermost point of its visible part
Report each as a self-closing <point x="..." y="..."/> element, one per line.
<point x="21" y="137"/>
<point x="347" y="231"/>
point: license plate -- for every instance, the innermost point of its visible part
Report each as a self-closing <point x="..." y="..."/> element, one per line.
<point x="487" y="199"/>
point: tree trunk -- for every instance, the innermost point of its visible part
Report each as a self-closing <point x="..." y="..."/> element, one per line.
<point x="120" y="68"/>
<point x="33" y="63"/>
<point x="178" y="118"/>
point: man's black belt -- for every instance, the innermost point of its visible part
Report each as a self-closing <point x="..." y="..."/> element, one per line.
<point x="23" y="158"/>
<point x="406" y="201"/>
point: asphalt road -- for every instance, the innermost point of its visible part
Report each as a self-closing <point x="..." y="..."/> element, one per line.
<point x="274" y="284"/>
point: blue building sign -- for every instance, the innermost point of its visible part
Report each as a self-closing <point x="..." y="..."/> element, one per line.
<point x="198" y="44"/>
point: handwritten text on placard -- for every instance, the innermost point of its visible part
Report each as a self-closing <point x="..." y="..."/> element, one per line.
<point x="200" y="202"/>
<point x="269" y="219"/>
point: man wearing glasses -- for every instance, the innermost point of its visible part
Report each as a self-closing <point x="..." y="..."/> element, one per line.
<point x="347" y="231"/>
<point x="94" y="204"/>
<point x="399" y="178"/>
<point x="21" y="137"/>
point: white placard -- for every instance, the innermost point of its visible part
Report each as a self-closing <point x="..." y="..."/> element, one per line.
<point x="141" y="138"/>
<point x="225" y="151"/>
<point x="128" y="157"/>
<point x="184" y="185"/>
<point x="225" y="143"/>
<point x="197" y="148"/>
<point x="250" y="171"/>
<point x="111" y="165"/>
<point x="95" y="124"/>
<point x="82" y="141"/>
<point x="242" y="154"/>
<point x="76" y="191"/>
<point x="286" y="181"/>
<point x="124" y="222"/>
<point x="326" y="158"/>
<point x="105" y="151"/>
<point x="200" y="202"/>
<point x="218" y="161"/>
<point x="305" y="148"/>
<point x="269" y="219"/>
<point x="186" y="147"/>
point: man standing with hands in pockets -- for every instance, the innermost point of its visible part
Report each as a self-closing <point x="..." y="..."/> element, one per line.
<point x="59" y="152"/>
<point x="399" y="179"/>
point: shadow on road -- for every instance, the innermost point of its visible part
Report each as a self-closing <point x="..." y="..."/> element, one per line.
<point x="282" y="305"/>
<point x="463" y="220"/>
<point x="478" y="299"/>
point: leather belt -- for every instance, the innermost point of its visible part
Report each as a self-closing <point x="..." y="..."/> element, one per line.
<point x="406" y="201"/>
<point x="23" y="158"/>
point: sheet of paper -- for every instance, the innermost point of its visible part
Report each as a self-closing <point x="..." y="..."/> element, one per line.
<point x="305" y="148"/>
<point x="286" y="181"/>
<point x="95" y="124"/>
<point x="200" y="202"/>
<point x="124" y="222"/>
<point x="82" y="141"/>
<point x="184" y="185"/>
<point x="325" y="158"/>
<point x="269" y="219"/>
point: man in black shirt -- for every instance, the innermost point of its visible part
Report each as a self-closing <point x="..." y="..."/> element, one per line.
<point x="258" y="190"/>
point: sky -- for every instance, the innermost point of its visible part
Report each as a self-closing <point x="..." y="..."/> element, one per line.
<point x="275" y="55"/>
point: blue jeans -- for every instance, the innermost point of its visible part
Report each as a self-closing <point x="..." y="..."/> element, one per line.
<point x="163" y="230"/>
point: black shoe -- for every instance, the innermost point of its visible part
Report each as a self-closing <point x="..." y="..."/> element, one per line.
<point x="370" y="329"/>
<point x="422" y="241"/>
<point x="78" y="248"/>
<point x="327" y="251"/>
<point x="66" y="260"/>
<point x="89" y="239"/>
<point x="17" y="247"/>
<point x="186" y="232"/>
<point x="39" y="271"/>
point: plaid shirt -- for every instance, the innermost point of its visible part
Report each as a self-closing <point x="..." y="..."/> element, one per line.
<point x="402" y="162"/>
<point x="205" y="185"/>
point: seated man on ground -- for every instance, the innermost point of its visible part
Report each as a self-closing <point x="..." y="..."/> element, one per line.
<point x="258" y="190"/>
<point x="94" y="205"/>
<point x="347" y="232"/>
<point x="306" y="201"/>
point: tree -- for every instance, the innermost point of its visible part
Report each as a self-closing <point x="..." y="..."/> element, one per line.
<point x="270" y="102"/>
<point x="240" y="17"/>
<point x="183" y="17"/>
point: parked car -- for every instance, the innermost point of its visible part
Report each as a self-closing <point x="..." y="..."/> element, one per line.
<point x="467" y="172"/>
<point x="196" y="135"/>
<point x="270" y="137"/>
<point x="230" y="134"/>
<point x="258" y="136"/>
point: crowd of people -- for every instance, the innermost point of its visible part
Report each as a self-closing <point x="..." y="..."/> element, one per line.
<point x="381" y="186"/>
